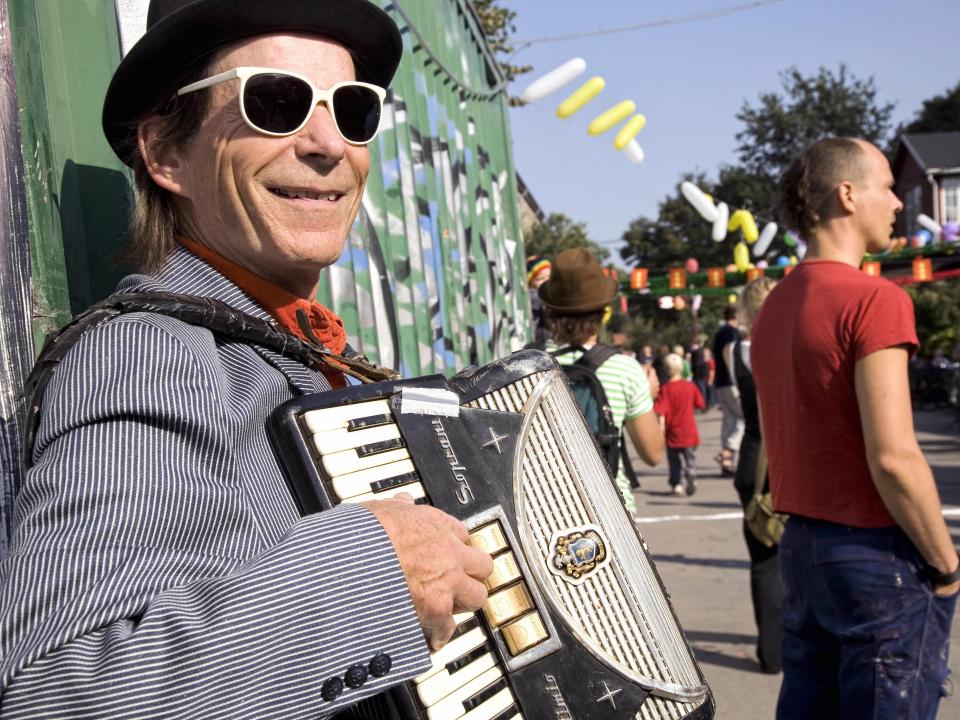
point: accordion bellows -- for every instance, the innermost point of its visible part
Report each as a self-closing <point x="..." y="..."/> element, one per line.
<point x="578" y="624"/>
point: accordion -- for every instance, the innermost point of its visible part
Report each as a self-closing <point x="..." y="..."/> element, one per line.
<point x="577" y="623"/>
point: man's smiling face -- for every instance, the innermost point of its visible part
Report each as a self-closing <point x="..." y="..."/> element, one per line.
<point x="280" y="207"/>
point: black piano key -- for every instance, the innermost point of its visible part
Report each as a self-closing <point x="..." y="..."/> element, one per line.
<point x="388" y="483"/>
<point x="507" y="714"/>
<point x="465" y="660"/>
<point x="421" y="501"/>
<point x="374" y="448"/>
<point x="368" y="422"/>
<point x="481" y="697"/>
<point x="466" y="626"/>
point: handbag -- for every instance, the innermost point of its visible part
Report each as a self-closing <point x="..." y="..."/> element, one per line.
<point x="764" y="523"/>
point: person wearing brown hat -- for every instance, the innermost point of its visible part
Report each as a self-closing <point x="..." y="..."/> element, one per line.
<point x="575" y="298"/>
<point x="159" y="566"/>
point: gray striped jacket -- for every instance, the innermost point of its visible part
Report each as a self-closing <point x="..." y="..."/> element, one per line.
<point x="158" y="567"/>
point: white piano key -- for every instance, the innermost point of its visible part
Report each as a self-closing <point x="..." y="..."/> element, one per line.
<point x="451" y="706"/>
<point x="458" y="647"/>
<point x="461" y="618"/>
<point x="358" y="483"/>
<point x="493" y="706"/>
<point x="440" y="684"/>
<point x="415" y="490"/>
<point x="333" y="441"/>
<point x="347" y="461"/>
<point x="338" y="417"/>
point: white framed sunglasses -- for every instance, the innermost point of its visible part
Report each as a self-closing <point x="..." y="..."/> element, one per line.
<point x="279" y="103"/>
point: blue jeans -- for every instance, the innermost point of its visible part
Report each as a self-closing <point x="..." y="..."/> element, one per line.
<point x="863" y="634"/>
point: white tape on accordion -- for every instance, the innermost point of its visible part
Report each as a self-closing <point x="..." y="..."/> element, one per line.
<point x="429" y="401"/>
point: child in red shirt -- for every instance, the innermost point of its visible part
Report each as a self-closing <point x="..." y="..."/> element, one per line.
<point x="675" y="405"/>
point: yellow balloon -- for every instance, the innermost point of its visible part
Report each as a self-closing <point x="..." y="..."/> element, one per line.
<point x="732" y="298"/>
<point x="793" y="260"/>
<point x="741" y="256"/>
<point x="629" y="131"/>
<point x="603" y="122"/>
<point x="736" y="217"/>
<point x="607" y="314"/>
<point x="580" y="97"/>
<point x="748" y="226"/>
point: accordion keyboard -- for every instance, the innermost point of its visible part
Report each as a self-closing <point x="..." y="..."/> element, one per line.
<point x="364" y="457"/>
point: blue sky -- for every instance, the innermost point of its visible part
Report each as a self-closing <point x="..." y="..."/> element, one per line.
<point x="691" y="79"/>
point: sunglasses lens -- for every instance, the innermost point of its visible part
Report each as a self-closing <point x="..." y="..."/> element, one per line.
<point x="358" y="112"/>
<point x="277" y="103"/>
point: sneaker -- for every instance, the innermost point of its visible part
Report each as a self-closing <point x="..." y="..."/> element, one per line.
<point x="691" y="486"/>
<point x="678" y="490"/>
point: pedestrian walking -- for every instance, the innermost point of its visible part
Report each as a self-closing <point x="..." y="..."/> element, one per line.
<point x="675" y="405"/>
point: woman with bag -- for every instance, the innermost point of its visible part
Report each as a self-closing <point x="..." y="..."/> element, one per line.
<point x="761" y="527"/>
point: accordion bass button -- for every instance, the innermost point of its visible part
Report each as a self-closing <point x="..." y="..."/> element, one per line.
<point x="504" y="605"/>
<point x="505" y="571"/>
<point x="524" y="633"/>
<point x="489" y="538"/>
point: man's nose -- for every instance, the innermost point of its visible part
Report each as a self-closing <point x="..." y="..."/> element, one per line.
<point x="320" y="138"/>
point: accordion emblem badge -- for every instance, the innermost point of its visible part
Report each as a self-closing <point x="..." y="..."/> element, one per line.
<point x="578" y="553"/>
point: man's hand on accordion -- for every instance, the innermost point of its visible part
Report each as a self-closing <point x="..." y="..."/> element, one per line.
<point x="443" y="572"/>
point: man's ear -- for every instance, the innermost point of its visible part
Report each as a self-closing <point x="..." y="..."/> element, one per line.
<point x="847" y="196"/>
<point x="163" y="161"/>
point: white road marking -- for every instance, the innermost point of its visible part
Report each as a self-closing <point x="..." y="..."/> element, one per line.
<point x="947" y="512"/>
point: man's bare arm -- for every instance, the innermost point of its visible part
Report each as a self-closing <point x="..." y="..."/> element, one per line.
<point x="647" y="437"/>
<point x="899" y="470"/>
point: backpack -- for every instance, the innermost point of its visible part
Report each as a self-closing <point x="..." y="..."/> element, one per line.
<point x="592" y="399"/>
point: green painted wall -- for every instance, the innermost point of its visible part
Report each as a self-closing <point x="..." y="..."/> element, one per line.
<point x="431" y="279"/>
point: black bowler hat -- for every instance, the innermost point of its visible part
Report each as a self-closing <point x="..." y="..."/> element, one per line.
<point x="181" y="32"/>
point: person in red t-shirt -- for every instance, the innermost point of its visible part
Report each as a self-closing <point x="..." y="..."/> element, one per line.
<point x="675" y="405"/>
<point x="870" y="574"/>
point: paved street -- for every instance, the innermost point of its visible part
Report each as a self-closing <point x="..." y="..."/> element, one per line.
<point x="700" y="554"/>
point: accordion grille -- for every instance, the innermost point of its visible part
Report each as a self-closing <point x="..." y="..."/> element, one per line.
<point x="621" y="613"/>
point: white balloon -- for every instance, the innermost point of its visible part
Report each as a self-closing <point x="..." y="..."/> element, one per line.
<point x="554" y="80"/>
<point x="928" y="223"/>
<point x="697" y="302"/>
<point x="701" y="203"/>
<point x="719" y="232"/>
<point x="634" y="152"/>
<point x="766" y="237"/>
<point x="801" y="249"/>
<point x="665" y="302"/>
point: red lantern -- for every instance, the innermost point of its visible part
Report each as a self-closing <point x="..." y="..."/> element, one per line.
<point x="623" y="304"/>
<point x="678" y="278"/>
<point x="922" y="269"/>
<point x="716" y="277"/>
<point x="754" y="273"/>
<point x="871" y="267"/>
<point x="638" y="278"/>
<point x="611" y="273"/>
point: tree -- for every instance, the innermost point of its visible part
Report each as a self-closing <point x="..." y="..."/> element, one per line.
<point x="811" y="108"/>
<point x="498" y="27"/>
<point x="940" y="113"/>
<point x="557" y="233"/>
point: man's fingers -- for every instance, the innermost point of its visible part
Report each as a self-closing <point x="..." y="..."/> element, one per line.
<point x="469" y="595"/>
<point x="477" y="564"/>
<point x="404" y="497"/>
<point x="440" y="635"/>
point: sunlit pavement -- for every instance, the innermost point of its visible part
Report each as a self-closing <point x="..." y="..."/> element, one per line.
<point x="701" y="556"/>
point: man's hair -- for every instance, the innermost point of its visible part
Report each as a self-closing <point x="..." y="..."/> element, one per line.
<point x="154" y="222"/>
<point x="813" y="175"/>
<point x="573" y="329"/>
<point x="730" y="312"/>
<point x="674" y="364"/>
<point x="751" y="299"/>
